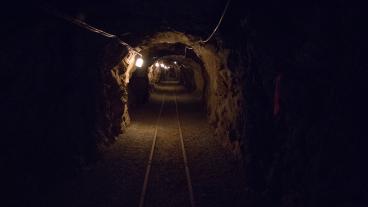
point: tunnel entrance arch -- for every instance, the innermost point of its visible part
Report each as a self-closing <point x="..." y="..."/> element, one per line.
<point x="221" y="92"/>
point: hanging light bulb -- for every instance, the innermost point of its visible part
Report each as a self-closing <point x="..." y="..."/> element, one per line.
<point x="139" y="62"/>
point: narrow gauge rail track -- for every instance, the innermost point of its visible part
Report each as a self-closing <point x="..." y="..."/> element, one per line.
<point x="152" y="152"/>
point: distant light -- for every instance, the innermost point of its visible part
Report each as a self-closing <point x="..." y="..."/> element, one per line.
<point x="175" y="62"/>
<point x="139" y="62"/>
<point x="157" y="64"/>
<point x="162" y="65"/>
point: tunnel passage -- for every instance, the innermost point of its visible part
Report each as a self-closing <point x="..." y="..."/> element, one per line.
<point x="204" y="69"/>
<point x="284" y="89"/>
<point x="184" y="69"/>
<point x="176" y="56"/>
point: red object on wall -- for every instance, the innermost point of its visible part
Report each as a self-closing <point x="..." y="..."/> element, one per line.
<point x="276" y="102"/>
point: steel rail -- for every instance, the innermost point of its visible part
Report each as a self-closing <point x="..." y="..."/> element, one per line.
<point x="187" y="172"/>
<point x="148" y="170"/>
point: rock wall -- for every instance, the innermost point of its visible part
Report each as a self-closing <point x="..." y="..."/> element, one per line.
<point x="59" y="101"/>
<point x="285" y="91"/>
<point x="194" y="76"/>
<point x="154" y="74"/>
<point x="301" y="128"/>
<point x="223" y="91"/>
<point x="115" y="117"/>
<point x="224" y="96"/>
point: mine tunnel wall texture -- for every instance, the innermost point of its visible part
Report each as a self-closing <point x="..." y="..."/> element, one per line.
<point x="286" y="92"/>
<point x="222" y="92"/>
<point x="61" y="100"/>
<point x="301" y="129"/>
<point x="299" y="76"/>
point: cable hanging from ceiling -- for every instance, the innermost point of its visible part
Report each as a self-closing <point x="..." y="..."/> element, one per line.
<point x="218" y="24"/>
<point x="86" y="26"/>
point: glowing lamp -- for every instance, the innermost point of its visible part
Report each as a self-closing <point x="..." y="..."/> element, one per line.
<point x="139" y="62"/>
<point x="157" y="64"/>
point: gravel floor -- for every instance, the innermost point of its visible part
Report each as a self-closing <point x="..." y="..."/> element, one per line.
<point x="117" y="179"/>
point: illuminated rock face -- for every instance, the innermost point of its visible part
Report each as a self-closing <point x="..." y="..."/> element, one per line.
<point x="284" y="86"/>
<point x="62" y="101"/>
<point x="115" y="114"/>
<point x="211" y="76"/>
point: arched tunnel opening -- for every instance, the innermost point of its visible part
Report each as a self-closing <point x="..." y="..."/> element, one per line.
<point x="184" y="103"/>
<point x="169" y="62"/>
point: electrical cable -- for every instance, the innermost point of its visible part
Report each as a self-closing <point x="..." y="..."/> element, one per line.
<point x="84" y="25"/>
<point x="218" y="24"/>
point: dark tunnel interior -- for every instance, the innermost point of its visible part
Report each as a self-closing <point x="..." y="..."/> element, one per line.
<point x="125" y="103"/>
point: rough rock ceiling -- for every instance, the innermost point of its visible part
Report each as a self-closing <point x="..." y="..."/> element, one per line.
<point x="131" y="17"/>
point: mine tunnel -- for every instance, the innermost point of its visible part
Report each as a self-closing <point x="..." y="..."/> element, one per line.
<point x="184" y="103"/>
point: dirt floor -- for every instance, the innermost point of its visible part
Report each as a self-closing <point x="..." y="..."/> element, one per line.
<point x="117" y="179"/>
